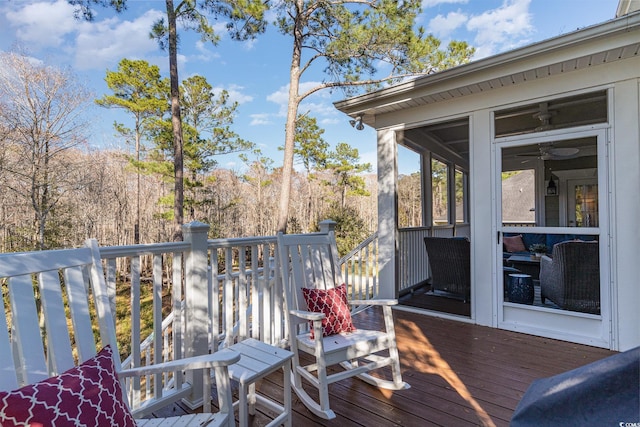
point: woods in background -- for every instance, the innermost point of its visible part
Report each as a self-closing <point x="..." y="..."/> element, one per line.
<point x="57" y="190"/>
<point x="100" y="200"/>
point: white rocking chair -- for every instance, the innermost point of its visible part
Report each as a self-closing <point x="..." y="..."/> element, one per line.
<point x="311" y="261"/>
<point x="66" y="284"/>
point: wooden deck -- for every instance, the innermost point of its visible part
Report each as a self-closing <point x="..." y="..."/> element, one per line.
<point x="460" y="374"/>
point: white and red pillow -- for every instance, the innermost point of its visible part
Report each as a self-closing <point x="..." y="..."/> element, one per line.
<point x="333" y="303"/>
<point x="86" y="395"/>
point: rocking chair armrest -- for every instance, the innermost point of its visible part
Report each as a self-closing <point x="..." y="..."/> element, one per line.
<point x="373" y="302"/>
<point x="220" y="358"/>
<point x="307" y="315"/>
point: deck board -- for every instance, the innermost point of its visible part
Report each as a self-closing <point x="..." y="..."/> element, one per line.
<point x="460" y="374"/>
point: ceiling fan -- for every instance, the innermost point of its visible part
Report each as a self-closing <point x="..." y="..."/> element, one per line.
<point x="549" y="152"/>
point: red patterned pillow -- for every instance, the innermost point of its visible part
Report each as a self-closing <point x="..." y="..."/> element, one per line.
<point x="514" y="243"/>
<point x="333" y="303"/>
<point x="85" y="395"/>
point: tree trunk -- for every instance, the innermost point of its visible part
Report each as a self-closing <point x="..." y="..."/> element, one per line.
<point x="290" y="129"/>
<point x="176" y="123"/>
<point x="136" y="227"/>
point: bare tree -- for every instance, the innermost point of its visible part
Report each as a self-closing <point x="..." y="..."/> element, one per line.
<point x="42" y="110"/>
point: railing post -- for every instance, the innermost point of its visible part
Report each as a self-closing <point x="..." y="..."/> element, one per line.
<point x="196" y="297"/>
<point x="327" y="225"/>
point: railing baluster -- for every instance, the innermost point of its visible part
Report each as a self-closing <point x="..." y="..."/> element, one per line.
<point x="111" y="278"/>
<point x="146" y="360"/>
<point x="177" y="312"/>
<point x="229" y="302"/>
<point x="165" y="354"/>
<point x="243" y="290"/>
<point x="214" y="299"/>
<point x="135" y="327"/>
<point x="255" y="289"/>
<point x="157" y="322"/>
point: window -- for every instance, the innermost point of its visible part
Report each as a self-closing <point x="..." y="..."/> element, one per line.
<point x="440" y="192"/>
<point x="519" y="197"/>
<point x="409" y="189"/>
<point x="559" y="113"/>
<point x="461" y="197"/>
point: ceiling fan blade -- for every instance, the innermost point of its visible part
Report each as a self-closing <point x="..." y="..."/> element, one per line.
<point x="563" y="152"/>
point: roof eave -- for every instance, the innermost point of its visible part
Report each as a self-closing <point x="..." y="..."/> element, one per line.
<point x="359" y="104"/>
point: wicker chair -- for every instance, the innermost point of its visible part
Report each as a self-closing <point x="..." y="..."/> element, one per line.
<point x="571" y="279"/>
<point x="450" y="262"/>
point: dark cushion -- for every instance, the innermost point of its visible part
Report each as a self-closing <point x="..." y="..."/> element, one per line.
<point x="603" y="393"/>
<point x="549" y="240"/>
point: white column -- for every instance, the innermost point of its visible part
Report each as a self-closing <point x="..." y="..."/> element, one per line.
<point x="624" y="151"/>
<point x="387" y="213"/>
<point x="484" y="263"/>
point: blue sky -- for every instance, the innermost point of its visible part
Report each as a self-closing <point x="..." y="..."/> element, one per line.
<point x="256" y="72"/>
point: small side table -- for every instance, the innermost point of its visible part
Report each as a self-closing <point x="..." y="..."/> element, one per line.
<point x="527" y="264"/>
<point x="257" y="360"/>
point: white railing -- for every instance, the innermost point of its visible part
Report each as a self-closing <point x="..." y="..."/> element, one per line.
<point x="245" y="293"/>
<point x="360" y="269"/>
<point x="240" y="281"/>
<point x="151" y="271"/>
<point x="413" y="267"/>
<point x="413" y="264"/>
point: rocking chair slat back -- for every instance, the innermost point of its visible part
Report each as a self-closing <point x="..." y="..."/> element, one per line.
<point x="8" y="379"/>
<point x="51" y="303"/>
<point x="313" y="265"/>
<point x="48" y="322"/>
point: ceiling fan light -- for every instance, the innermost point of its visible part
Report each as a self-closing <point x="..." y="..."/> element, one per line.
<point x="543" y="127"/>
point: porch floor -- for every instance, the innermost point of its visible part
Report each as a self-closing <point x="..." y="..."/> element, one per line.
<point x="424" y="298"/>
<point x="460" y="374"/>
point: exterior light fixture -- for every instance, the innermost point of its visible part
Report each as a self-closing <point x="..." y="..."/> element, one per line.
<point x="357" y="122"/>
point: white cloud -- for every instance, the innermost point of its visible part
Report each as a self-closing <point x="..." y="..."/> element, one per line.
<point x="43" y="24"/>
<point x="250" y="44"/>
<point x="443" y="26"/>
<point x="271" y="15"/>
<point x="205" y="54"/>
<point x="280" y="97"/>
<point x="220" y="28"/>
<point x="501" y="29"/>
<point x="306" y="86"/>
<point x="260" y="119"/>
<point x="330" y="121"/>
<point x="431" y="3"/>
<point x="104" y="43"/>
<point x="319" y="110"/>
<point x="235" y="93"/>
<point x="317" y="105"/>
